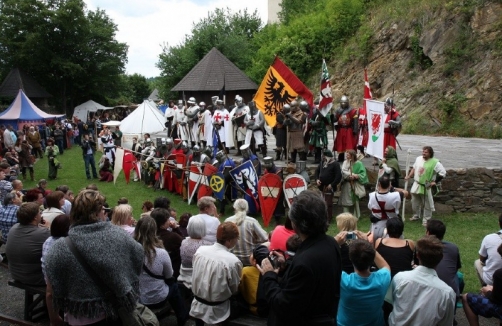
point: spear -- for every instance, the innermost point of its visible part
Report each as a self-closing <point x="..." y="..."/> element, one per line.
<point x="406" y="182"/>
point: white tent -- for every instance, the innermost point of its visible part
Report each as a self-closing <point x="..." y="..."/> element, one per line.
<point x="82" y="110"/>
<point x="144" y="119"/>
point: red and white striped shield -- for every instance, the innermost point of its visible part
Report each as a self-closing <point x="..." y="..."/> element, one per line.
<point x="294" y="184"/>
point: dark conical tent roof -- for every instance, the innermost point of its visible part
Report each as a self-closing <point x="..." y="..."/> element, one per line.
<point x="16" y="80"/>
<point x="212" y="73"/>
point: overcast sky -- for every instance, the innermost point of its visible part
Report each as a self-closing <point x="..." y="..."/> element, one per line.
<point x="145" y="25"/>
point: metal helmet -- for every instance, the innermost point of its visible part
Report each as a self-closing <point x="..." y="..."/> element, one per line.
<point x="300" y="166"/>
<point x="163" y="141"/>
<point x="246" y="151"/>
<point x="344" y="102"/>
<point x="169" y="141"/>
<point x="220" y="156"/>
<point x="268" y="162"/>
<point x="214" y="99"/>
<point x="192" y="100"/>
<point x="293" y="103"/>
<point x="196" y="149"/>
<point x="304" y="106"/>
<point x="208" y="151"/>
<point x="238" y="100"/>
<point x="202" y="104"/>
<point x="184" y="145"/>
<point x="286" y="108"/>
<point x="389" y="101"/>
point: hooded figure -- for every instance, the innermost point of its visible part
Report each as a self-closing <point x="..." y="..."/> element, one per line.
<point x="390" y="166"/>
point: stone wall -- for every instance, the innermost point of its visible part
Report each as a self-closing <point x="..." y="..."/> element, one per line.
<point x="463" y="190"/>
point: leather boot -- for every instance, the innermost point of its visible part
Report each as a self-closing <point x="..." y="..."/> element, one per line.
<point x="31" y="175"/>
<point x="278" y="154"/>
<point x="264" y="150"/>
<point x="317" y="158"/>
<point x="239" y="144"/>
<point x="293" y="157"/>
<point x="303" y="156"/>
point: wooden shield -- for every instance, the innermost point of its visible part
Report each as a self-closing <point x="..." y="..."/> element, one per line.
<point x="269" y="192"/>
<point x="204" y="188"/>
<point x="294" y="184"/>
<point x="194" y="180"/>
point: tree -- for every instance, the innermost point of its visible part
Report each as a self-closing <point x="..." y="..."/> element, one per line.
<point x="139" y="87"/>
<point x="230" y="33"/>
<point x="70" y="51"/>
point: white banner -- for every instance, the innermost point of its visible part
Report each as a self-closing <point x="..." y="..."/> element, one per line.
<point x="376" y="120"/>
<point x="119" y="160"/>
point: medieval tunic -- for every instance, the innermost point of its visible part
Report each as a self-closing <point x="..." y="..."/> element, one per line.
<point x="181" y="122"/>
<point x="237" y="117"/>
<point x="345" y="133"/>
<point x="390" y="133"/>
<point x="220" y="118"/>
<point x="280" y="131"/>
<point x="295" y="142"/>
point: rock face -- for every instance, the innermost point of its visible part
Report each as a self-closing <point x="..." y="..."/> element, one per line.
<point x="476" y="79"/>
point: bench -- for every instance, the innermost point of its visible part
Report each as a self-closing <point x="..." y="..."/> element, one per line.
<point x="34" y="300"/>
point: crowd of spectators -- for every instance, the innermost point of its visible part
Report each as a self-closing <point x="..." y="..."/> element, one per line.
<point x="212" y="271"/>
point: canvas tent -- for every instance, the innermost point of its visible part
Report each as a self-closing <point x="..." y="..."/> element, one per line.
<point x="82" y="110"/>
<point x="22" y="111"/>
<point x="144" y="119"/>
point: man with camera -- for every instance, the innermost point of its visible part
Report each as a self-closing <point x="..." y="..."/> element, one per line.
<point x="88" y="147"/>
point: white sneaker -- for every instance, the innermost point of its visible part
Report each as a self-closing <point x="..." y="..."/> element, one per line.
<point x="414" y="218"/>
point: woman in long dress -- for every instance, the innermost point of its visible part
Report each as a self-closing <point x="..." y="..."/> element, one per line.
<point x="354" y="178"/>
<point x="52" y="151"/>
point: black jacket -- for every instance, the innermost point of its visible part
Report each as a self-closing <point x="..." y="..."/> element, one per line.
<point x="86" y="144"/>
<point x="310" y="288"/>
<point x="329" y="175"/>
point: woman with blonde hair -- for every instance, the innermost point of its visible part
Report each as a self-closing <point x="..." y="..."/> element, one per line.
<point x="122" y="216"/>
<point x="156" y="283"/>
<point x="347" y="225"/>
<point x="354" y="178"/>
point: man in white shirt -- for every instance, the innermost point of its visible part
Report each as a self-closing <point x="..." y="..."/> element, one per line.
<point x="420" y="297"/>
<point x="207" y="211"/>
<point x="383" y="204"/>
<point x="489" y="259"/>
<point x="216" y="277"/>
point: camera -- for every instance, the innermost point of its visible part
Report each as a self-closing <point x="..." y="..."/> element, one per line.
<point x="350" y="236"/>
<point x="274" y="261"/>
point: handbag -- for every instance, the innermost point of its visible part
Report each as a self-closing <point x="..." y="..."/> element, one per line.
<point x="140" y="316"/>
<point x="359" y="190"/>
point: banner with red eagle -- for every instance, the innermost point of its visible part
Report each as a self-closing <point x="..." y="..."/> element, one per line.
<point x="326" y="97"/>
<point x="376" y="122"/>
<point x="279" y="86"/>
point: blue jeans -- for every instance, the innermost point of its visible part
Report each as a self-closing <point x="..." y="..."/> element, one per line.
<point x="89" y="160"/>
<point x="59" y="143"/>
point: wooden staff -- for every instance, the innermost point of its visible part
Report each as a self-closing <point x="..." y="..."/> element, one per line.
<point x="406" y="182"/>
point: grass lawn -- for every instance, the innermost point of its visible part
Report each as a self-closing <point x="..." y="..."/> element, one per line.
<point x="465" y="230"/>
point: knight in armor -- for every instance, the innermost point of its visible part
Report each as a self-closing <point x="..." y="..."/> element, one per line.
<point x="328" y="175"/>
<point x="247" y="155"/>
<point x="346" y="125"/>
<point x="148" y="155"/>
<point x="180" y="120"/>
<point x="205" y="125"/>
<point x="255" y="122"/>
<point x="392" y="124"/>
<point x="108" y="145"/>
<point x="318" y="133"/>
<point x="280" y="131"/>
<point x="169" y="115"/>
<point x="224" y="165"/>
<point x="237" y="116"/>
<point x="192" y="114"/>
<point x="219" y="117"/>
<point x="301" y="169"/>
<point x="270" y="167"/>
<point x="295" y="122"/>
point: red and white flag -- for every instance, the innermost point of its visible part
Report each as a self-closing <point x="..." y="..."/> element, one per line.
<point x="367" y="89"/>
<point x="326" y="97"/>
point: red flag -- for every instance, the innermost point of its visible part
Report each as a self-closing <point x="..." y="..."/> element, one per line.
<point x="367" y="89"/>
<point x="279" y="86"/>
<point x="326" y="97"/>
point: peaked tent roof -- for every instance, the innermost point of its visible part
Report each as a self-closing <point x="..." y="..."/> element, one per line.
<point x="214" y="72"/>
<point x="89" y="106"/>
<point x="144" y="119"/>
<point x="23" y="109"/>
<point x="16" y="80"/>
<point x="154" y="96"/>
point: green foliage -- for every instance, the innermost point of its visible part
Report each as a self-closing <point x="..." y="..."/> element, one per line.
<point x="291" y="9"/>
<point x="417" y="123"/>
<point x="139" y="87"/>
<point x="231" y="33"/>
<point x="68" y="50"/>
<point x="461" y="52"/>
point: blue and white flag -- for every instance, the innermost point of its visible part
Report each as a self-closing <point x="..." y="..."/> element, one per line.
<point x="246" y="179"/>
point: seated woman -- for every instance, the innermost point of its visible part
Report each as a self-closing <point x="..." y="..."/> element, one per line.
<point x="153" y="290"/>
<point x="54" y="201"/>
<point x="105" y="171"/>
<point x="122" y="216"/>
<point x="184" y="218"/>
<point x="251" y="233"/>
<point x="347" y="225"/>
<point x="196" y="231"/>
<point x="397" y="252"/>
<point x="59" y="228"/>
<point x="171" y="239"/>
<point x="487" y="304"/>
<point x="280" y="235"/>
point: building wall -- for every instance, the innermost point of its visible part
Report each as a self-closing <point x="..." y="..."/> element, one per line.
<point x="273" y="9"/>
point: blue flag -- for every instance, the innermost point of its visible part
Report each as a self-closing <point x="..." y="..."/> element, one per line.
<point x="215" y="142"/>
